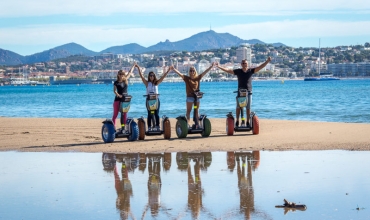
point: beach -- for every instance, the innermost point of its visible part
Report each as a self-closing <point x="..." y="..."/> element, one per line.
<point x="84" y="135"/>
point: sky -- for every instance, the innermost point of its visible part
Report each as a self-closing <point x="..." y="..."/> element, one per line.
<point x="28" y="27"/>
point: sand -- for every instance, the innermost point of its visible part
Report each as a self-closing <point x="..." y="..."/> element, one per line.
<point x="84" y="135"/>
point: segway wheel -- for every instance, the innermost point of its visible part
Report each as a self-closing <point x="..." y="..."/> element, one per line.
<point x="134" y="133"/>
<point x="181" y="128"/>
<point x="256" y="125"/>
<point x="167" y="129"/>
<point x="206" y="127"/>
<point x="141" y="125"/>
<point x="108" y="133"/>
<point x="230" y="126"/>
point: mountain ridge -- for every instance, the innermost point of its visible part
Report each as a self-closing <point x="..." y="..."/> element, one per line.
<point x="198" y="42"/>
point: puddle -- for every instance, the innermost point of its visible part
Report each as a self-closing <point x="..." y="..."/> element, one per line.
<point x="208" y="185"/>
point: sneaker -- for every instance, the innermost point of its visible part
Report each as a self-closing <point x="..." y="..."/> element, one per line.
<point x="237" y="124"/>
<point x="248" y="125"/>
<point x="157" y="128"/>
<point x="150" y="129"/>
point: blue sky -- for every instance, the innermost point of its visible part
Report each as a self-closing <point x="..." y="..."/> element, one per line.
<point x="28" y="27"/>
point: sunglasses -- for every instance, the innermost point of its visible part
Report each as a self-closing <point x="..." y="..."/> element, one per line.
<point x="244" y="63"/>
<point x="151" y="75"/>
<point x="191" y="71"/>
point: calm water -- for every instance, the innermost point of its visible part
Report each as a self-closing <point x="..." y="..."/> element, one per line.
<point x="216" y="185"/>
<point x="336" y="101"/>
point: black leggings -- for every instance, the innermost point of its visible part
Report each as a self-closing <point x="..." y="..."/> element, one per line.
<point x="156" y="115"/>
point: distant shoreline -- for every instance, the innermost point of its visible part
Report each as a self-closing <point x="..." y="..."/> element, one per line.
<point x="178" y="79"/>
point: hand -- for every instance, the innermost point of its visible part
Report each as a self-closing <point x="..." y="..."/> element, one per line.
<point x="216" y="64"/>
<point x="268" y="59"/>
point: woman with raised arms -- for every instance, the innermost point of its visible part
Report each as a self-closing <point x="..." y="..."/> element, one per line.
<point x="192" y="83"/>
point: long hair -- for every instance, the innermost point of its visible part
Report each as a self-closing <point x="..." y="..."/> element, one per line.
<point x="193" y="68"/>
<point x="155" y="80"/>
<point x="124" y="76"/>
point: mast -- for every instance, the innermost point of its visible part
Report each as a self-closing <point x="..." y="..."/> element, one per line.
<point x="319" y="57"/>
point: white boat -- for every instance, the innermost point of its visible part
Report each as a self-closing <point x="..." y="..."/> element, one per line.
<point x="22" y="81"/>
<point x="322" y="76"/>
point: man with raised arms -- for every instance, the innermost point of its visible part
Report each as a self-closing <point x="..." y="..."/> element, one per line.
<point x="244" y="75"/>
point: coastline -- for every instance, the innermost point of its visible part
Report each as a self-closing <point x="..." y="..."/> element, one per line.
<point x="84" y="135"/>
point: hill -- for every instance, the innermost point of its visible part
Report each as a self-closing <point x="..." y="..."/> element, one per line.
<point x="198" y="42"/>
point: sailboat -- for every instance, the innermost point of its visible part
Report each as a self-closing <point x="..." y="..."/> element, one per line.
<point x="322" y="76"/>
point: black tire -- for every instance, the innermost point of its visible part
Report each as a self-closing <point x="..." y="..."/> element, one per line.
<point x="167" y="129"/>
<point x="108" y="133"/>
<point x="134" y="133"/>
<point x="181" y="128"/>
<point x="206" y="128"/>
<point x="141" y="125"/>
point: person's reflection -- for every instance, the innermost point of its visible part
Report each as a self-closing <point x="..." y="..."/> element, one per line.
<point x="154" y="183"/>
<point x="244" y="164"/>
<point x="124" y="190"/>
<point x="195" y="189"/>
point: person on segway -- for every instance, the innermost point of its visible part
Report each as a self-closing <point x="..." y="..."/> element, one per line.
<point x="151" y="85"/>
<point x="120" y="88"/>
<point x="244" y="76"/>
<point x="192" y="83"/>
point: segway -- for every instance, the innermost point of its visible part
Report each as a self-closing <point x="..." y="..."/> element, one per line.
<point x="152" y="106"/>
<point x="201" y="125"/>
<point x="242" y="100"/>
<point x="130" y="131"/>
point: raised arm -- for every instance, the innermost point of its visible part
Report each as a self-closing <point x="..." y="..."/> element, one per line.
<point x="141" y="75"/>
<point x="230" y="71"/>
<point x="207" y="70"/>
<point x="178" y="73"/>
<point x="258" y="68"/>
<point x="130" y="72"/>
<point x="164" y="75"/>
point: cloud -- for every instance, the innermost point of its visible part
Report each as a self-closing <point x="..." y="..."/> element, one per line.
<point x="101" y="37"/>
<point x="24" y="8"/>
<point x="271" y="30"/>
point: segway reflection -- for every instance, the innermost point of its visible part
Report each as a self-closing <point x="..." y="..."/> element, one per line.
<point x="242" y="100"/>
<point x="245" y="163"/>
<point x="195" y="191"/>
<point x="201" y="125"/>
<point x="165" y="128"/>
<point x="123" y="186"/>
<point x="129" y="131"/>
<point x="153" y="162"/>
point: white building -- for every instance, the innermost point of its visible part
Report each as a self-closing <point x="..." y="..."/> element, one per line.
<point x="244" y="52"/>
<point x="202" y="65"/>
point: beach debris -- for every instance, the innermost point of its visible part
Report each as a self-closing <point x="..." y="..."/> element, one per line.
<point x="291" y="206"/>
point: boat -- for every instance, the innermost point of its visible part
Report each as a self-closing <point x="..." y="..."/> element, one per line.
<point x="322" y="76"/>
<point x="22" y="81"/>
<point x="53" y="81"/>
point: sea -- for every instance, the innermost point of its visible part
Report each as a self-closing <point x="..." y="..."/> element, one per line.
<point x="345" y="100"/>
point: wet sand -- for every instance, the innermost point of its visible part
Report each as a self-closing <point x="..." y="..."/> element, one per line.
<point x="84" y="135"/>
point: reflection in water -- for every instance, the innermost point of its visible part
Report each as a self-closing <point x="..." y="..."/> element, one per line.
<point x="124" y="187"/>
<point x="192" y="163"/>
<point x="201" y="161"/>
<point x="245" y="163"/>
